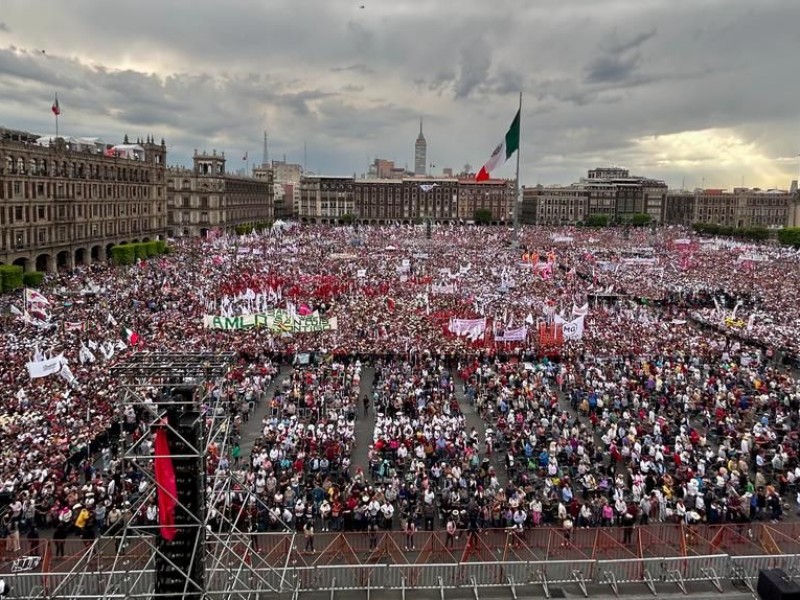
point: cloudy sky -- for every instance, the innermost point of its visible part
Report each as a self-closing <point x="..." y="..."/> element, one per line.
<point x="685" y="90"/>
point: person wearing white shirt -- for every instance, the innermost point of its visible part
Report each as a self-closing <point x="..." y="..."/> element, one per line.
<point x="387" y="510"/>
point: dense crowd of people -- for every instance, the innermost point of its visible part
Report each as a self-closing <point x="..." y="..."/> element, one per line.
<point x="681" y="389"/>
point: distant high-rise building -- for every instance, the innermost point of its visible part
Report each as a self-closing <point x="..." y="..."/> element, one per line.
<point x="385" y="169"/>
<point x="420" y="153"/>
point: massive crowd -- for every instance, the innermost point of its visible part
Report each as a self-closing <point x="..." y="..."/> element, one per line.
<point x="682" y="394"/>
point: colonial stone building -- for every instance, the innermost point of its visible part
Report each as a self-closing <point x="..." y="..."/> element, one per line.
<point x="333" y="199"/>
<point x="67" y="201"/>
<point x="610" y="192"/>
<point x="493" y="195"/>
<point x="207" y="198"/>
<point x="743" y="207"/>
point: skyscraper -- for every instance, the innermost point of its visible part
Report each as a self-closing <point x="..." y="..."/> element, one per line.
<point x="420" y="153"/>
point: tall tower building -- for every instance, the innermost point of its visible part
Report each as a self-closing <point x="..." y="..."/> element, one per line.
<point x="420" y="153"/>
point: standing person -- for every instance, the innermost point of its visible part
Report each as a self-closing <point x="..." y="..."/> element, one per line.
<point x="88" y="532"/>
<point x="59" y="535"/>
<point x="33" y="540"/>
<point x="366" y="405"/>
<point x="373" y="535"/>
<point x="451" y="530"/>
<point x="236" y="454"/>
<point x="628" y="520"/>
<point x="308" y="532"/>
<point x="325" y="514"/>
<point x="12" y="541"/>
<point x="566" y="525"/>
<point x="411" y="529"/>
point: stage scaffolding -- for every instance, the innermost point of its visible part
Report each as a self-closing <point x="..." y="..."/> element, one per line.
<point x="182" y="393"/>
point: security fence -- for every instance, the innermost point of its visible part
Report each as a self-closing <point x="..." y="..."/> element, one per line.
<point x="589" y="559"/>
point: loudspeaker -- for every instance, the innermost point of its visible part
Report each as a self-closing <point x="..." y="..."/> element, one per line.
<point x="185" y="555"/>
<point x="775" y="584"/>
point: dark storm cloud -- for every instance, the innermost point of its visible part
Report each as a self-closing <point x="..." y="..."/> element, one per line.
<point x="360" y="68"/>
<point x="620" y="62"/>
<point x="476" y="60"/>
<point x="597" y="77"/>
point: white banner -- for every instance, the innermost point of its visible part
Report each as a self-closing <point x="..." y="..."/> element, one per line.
<point x="468" y="327"/>
<point x="580" y="311"/>
<point x="447" y="288"/>
<point x="512" y="335"/>
<point x="43" y="368"/>
<point x="573" y="330"/>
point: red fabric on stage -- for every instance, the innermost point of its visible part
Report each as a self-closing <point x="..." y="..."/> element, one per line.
<point x="167" y="486"/>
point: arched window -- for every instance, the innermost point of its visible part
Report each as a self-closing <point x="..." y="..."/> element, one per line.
<point x="21" y="166"/>
<point x="9" y="164"/>
<point x="33" y="167"/>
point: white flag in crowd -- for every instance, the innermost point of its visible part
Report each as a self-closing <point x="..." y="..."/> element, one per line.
<point x="34" y="297"/>
<point x="43" y="368"/>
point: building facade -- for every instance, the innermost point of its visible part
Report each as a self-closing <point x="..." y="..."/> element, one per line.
<point x="66" y="202"/>
<point x="633" y="194"/>
<point x="406" y="200"/>
<point x="563" y="205"/>
<point x="207" y="198"/>
<point x="386" y="169"/>
<point x="420" y="154"/>
<point x="679" y="208"/>
<point x="327" y="199"/>
<point x="609" y="192"/>
<point x="286" y="188"/>
<point x="794" y="211"/>
<point x="743" y="207"/>
<point x="494" y="195"/>
<point x="331" y="199"/>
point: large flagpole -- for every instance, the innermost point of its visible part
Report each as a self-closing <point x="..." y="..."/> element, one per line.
<point x="56" y="110"/>
<point x="516" y="180"/>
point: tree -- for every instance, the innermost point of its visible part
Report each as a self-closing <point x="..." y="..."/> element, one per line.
<point x="790" y="236"/>
<point x="482" y="216"/>
<point x="639" y="220"/>
<point x="597" y="221"/>
<point x="32" y="278"/>
<point x="10" y="278"/>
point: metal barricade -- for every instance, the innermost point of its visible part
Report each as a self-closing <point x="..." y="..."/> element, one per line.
<point x="428" y="576"/>
<point x="564" y="571"/>
<point x="749" y="566"/>
<point x="347" y="577"/>
<point x="490" y="574"/>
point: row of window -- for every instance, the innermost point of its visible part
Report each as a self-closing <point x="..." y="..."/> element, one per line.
<point x="33" y="214"/>
<point x="18" y="190"/>
<point x="42" y="168"/>
<point x="19" y="239"/>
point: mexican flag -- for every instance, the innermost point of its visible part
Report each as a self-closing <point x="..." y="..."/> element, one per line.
<point x="129" y="336"/>
<point x="503" y="152"/>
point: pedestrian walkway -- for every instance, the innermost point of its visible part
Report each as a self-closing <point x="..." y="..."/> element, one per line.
<point x="365" y="424"/>
<point x="473" y="419"/>
<point x="253" y="428"/>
